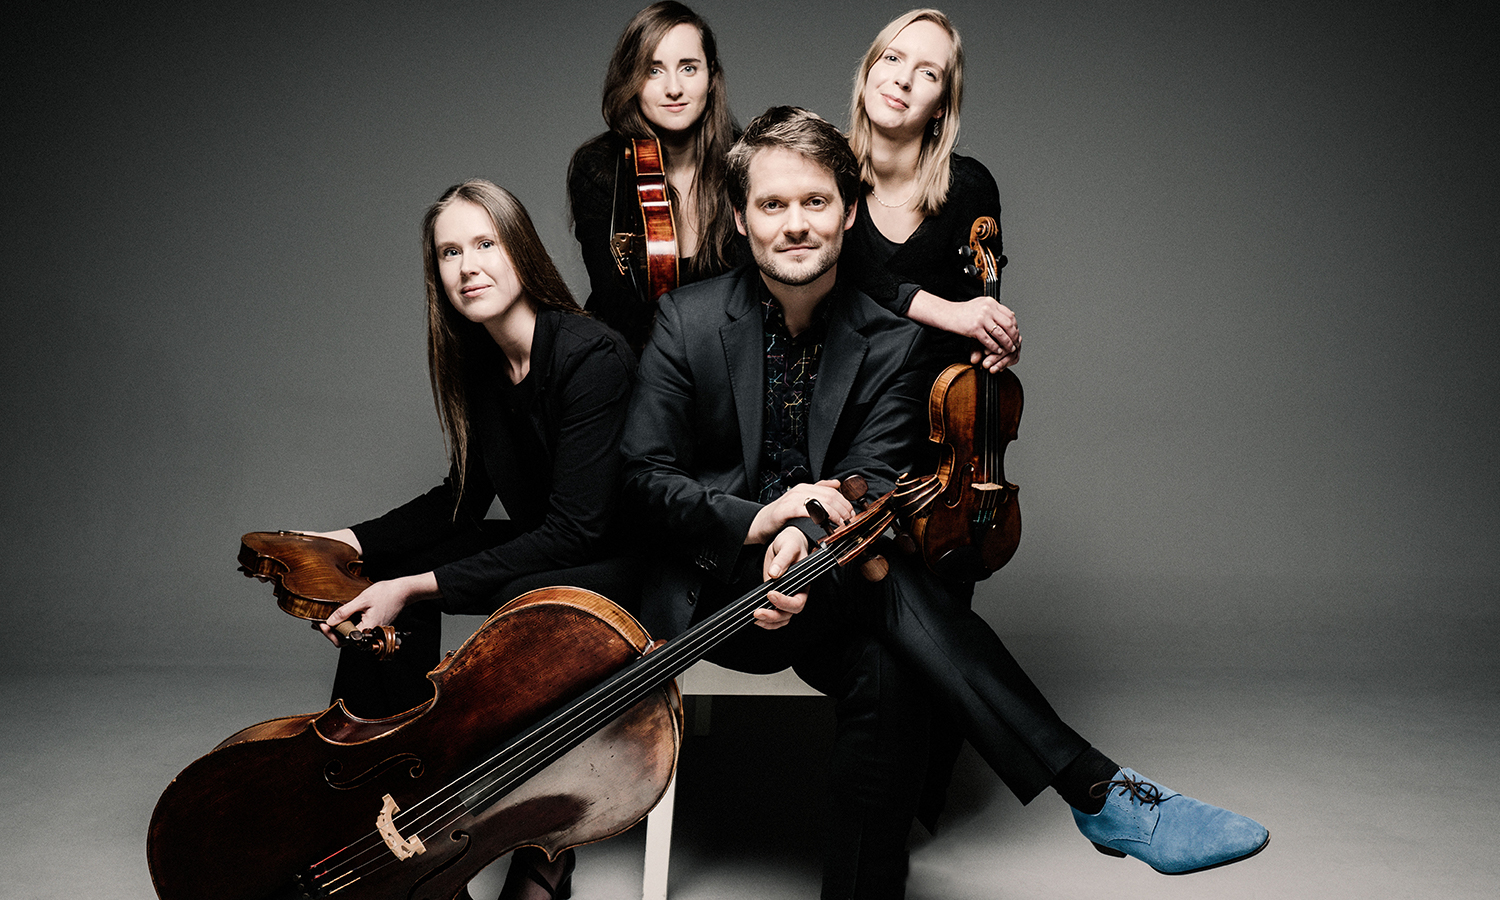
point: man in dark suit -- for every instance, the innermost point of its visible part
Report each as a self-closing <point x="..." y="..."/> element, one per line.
<point x="759" y="391"/>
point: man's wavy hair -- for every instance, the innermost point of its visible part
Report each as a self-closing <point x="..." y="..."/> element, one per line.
<point x="803" y="132"/>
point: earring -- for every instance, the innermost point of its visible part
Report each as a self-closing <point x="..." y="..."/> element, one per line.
<point x="937" y="125"/>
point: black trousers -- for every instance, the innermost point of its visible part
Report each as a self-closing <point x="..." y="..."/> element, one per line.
<point x="374" y="689"/>
<point x="902" y="658"/>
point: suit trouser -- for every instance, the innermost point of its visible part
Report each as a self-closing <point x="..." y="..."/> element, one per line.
<point x="955" y="654"/>
<point x="885" y="652"/>
<point x="880" y="741"/>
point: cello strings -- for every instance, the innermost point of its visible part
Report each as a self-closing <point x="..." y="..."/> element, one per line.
<point x="588" y="716"/>
<point x="596" y="713"/>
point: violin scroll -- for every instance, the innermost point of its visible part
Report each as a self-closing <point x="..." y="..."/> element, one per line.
<point x="982" y="262"/>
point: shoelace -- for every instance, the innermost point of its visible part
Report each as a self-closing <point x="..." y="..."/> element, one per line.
<point x="1143" y="792"/>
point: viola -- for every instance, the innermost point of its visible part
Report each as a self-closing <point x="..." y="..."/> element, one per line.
<point x="556" y="724"/>
<point x="646" y="250"/>
<point x="312" y="576"/>
<point x="975" y="526"/>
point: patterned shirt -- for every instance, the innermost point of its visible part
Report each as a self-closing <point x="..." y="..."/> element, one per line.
<point x="791" y="370"/>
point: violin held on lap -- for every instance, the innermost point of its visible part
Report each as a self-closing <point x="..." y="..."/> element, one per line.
<point x="312" y="576"/>
<point x="975" y="526"/>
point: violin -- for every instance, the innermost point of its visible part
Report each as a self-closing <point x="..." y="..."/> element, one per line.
<point x="312" y="576"/>
<point x="647" y="256"/>
<point x="556" y="724"/>
<point x="974" y="528"/>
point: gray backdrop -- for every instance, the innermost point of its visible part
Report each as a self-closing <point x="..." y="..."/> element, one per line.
<point x="1253" y="250"/>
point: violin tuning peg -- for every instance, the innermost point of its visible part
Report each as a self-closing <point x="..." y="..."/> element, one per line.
<point x="971" y="271"/>
<point x="966" y="252"/>
<point x="874" y="568"/>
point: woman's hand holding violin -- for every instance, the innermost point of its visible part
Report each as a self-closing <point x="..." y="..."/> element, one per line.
<point x="381" y="603"/>
<point x="984" y="319"/>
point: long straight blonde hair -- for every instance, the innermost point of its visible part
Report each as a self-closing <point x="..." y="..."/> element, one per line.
<point x="933" y="173"/>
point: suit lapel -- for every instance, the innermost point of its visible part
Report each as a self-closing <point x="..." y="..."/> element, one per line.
<point x="743" y="337"/>
<point x="843" y="353"/>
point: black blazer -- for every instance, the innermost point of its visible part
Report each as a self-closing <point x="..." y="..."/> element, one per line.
<point x="693" y="433"/>
<point x="582" y="374"/>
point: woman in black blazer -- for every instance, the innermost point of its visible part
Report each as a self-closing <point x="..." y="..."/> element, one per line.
<point x="531" y="394"/>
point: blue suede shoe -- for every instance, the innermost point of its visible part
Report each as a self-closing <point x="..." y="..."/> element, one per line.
<point x="1170" y="833"/>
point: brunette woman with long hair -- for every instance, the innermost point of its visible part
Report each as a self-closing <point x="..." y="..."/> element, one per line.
<point x="531" y="395"/>
<point x="664" y="80"/>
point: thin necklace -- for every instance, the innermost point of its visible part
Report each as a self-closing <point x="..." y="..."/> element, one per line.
<point x="912" y="193"/>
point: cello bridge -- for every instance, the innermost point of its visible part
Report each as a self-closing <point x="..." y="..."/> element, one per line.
<point x="386" y="825"/>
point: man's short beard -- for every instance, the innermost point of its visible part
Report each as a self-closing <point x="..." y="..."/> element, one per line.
<point x="827" y="258"/>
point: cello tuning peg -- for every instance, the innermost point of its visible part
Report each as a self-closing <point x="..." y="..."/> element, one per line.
<point x="854" y="488"/>
<point x="874" y="568"/>
<point x="905" y="544"/>
<point x="819" y="515"/>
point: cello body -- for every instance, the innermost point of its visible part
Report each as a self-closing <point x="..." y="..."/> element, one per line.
<point x="302" y="806"/>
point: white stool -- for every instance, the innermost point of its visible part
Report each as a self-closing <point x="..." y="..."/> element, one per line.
<point x="704" y="680"/>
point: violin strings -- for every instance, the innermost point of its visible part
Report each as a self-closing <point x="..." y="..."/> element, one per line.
<point x="501" y="773"/>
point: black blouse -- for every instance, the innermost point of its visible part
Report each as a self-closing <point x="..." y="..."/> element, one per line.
<point x="928" y="260"/>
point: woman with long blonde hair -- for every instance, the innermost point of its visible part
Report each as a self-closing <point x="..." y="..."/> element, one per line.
<point x="920" y="196"/>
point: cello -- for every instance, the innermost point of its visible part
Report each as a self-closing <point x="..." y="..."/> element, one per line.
<point x="648" y="257"/>
<point x="975" y="526"/>
<point x="556" y="724"/>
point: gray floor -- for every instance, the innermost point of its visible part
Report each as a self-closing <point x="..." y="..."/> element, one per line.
<point x="1372" y="785"/>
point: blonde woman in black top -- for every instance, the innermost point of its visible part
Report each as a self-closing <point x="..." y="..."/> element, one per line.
<point x="920" y="198"/>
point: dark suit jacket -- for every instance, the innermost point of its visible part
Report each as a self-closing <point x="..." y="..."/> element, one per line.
<point x="562" y="514"/>
<point x="693" y="433"/>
